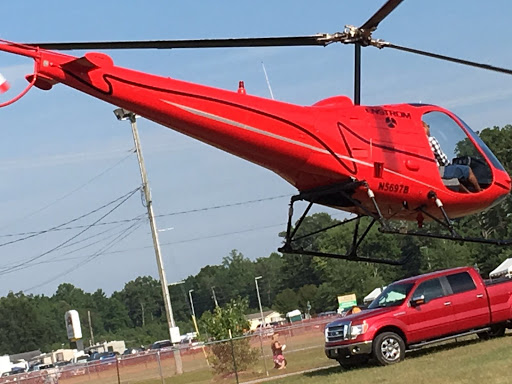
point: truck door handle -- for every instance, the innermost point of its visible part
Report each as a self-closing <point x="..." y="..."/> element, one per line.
<point x="480" y="295"/>
<point x="447" y="302"/>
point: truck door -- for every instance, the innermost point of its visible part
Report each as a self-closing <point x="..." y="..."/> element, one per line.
<point x="434" y="317"/>
<point x="469" y="302"/>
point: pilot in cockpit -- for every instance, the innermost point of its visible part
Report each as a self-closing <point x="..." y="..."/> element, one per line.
<point x="452" y="171"/>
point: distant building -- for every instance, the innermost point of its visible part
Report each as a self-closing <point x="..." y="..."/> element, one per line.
<point x="27" y="356"/>
<point x="268" y="316"/>
<point x="57" y="356"/>
<point x="294" y="316"/>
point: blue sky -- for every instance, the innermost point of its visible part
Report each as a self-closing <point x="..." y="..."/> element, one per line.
<point x="63" y="154"/>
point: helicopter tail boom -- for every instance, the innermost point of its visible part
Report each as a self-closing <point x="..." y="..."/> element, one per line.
<point x="276" y="135"/>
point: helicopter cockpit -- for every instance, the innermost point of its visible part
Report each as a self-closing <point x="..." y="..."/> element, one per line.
<point x="455" y="143"/>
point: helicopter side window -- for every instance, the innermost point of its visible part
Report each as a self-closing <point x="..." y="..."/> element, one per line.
<point x="461" y="165"/>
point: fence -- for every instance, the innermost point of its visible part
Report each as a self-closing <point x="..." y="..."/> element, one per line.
<point x="304" y="350"/>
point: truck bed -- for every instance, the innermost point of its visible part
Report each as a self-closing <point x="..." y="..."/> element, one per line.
<point x="499" y="292"/>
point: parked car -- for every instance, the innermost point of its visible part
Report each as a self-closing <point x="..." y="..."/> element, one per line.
<point x="418" y="311"/>
<point x="14" y="371"/>
<point x="93" y="356"/>
<point x="107" y="356"/>
<point x="62" y="363"/>
<point x="161" y="344"/>
<point x="40" y="367"/>
<point x="133" y="351"/>
<point x="81" y="359"/>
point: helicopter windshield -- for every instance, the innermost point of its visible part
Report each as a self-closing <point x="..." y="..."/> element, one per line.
<point x="460" y="151"/>
<point x="494" y="160"/>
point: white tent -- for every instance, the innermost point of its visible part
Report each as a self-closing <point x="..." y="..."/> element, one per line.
<point x="372" y="295"/>
<point x="504" y="269"/>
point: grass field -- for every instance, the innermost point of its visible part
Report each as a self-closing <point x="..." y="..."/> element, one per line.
<point x="469" y="361"/>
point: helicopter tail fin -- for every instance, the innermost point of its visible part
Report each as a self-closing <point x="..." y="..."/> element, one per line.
<point x="85" y="64"/>
<point x="89" y="62"/>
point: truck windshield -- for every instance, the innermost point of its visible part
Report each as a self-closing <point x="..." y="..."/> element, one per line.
<point x="394" y="295"/>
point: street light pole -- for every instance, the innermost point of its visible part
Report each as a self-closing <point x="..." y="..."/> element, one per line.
<point x="262" y="322"/>
<point x="259" y="300"/>
<point x="123" y="114"/>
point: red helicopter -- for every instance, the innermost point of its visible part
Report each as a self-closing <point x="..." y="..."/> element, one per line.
<point x="373" y="161"/>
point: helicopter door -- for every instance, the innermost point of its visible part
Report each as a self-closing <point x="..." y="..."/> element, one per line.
<point x="457" y="156"/>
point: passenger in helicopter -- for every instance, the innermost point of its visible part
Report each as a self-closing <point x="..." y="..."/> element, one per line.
<point x="451" y="171"/>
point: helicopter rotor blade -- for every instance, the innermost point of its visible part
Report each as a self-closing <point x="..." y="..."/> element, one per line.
<point x="372" y="23"/>
<point x="312" y="40"/>
<point x="448" y="58"/>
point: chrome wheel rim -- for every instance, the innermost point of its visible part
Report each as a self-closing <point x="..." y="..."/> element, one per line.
<point x="390" y="349"/>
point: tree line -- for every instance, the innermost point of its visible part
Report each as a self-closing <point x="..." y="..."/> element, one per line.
<point x="136" y="313"/>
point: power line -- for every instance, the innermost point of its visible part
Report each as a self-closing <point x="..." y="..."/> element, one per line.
<point x="69" y="193"/>
<point x="222" y="206"/>
<point x="57" y="229"/>
<point x="22" y="265"/>
<point x="90" y="258"/>
<point x="61" y="228"/>
<point x="59" y="257"/>
<point x="68" y="222"/>
<point x="91" y="237"/>
<point x="205" y="237"/>
<point x="214" y="236"/>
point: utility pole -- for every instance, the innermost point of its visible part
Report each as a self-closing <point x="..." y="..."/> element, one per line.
<point x="90" y="327"/>
<point x="123" y="114"/>
<point x="215" y="298"/>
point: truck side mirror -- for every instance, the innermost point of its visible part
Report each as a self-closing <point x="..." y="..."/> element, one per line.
<point x="417" y="300"/>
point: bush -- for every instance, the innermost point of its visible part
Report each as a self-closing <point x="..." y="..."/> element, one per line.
<point x="222" y="356"/>
<point x="229" y="318"/>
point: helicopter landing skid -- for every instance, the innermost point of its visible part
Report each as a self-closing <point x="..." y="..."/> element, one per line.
<point x="323" y="195"/>
<point x="447" y="224"/>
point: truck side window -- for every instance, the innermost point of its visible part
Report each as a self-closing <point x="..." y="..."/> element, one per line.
<point x="430" y="289"/>
<point x="461" y="282"/>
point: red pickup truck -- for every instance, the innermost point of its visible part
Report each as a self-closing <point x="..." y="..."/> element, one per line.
<point x="418" y="311"/>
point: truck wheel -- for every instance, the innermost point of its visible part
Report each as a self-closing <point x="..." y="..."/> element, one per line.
<point x="388" y="348"/>
<point x="353" y="361"/>
<point x="496" y="331"/>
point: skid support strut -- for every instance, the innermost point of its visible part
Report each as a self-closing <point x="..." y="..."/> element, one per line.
<point x="343" y="191"/>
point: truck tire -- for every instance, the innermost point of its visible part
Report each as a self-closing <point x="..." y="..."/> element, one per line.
<point x="353" y="361"/>
<point x="388" y="348"/>
<point x="496" y="331"/>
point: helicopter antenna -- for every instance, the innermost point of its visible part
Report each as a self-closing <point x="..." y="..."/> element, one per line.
<point x="268" y="82"/>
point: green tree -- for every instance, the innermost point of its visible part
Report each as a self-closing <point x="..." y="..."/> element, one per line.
<point x="306" y="295"/>
<point x="143" y="299"/>
<point x="299" y="270"/>
<point x="326" y="298"/>
<point x="239" y="277"/>
<point x="286" y="301"/>
<point x="272" y="282"/>
<point x="21" y="328"/>
<point x="223" y="320"/>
